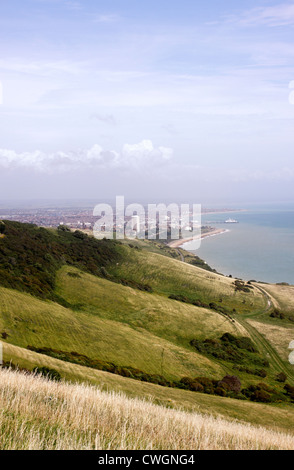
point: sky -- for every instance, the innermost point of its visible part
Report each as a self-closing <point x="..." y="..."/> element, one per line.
<point x="159" y="100"/>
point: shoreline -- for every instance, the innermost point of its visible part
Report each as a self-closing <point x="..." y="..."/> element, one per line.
<point x="183" y="241"/>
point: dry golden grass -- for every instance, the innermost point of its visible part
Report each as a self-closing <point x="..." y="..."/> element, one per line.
<point x="283" y="296"/>
<point x="38" y="414"/>
<point x="279" y="418"/>
<point x="277" y="335"/>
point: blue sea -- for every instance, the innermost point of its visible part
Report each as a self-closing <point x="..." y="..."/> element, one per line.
<point x="259" y="247"/>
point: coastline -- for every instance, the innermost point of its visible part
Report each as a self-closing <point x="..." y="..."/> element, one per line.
<point x="183" y="241"/>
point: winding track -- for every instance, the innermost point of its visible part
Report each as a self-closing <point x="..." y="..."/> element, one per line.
<point x="270" y="301"/>
<point x="278" y="363"/>
<point x="259" y="339"/>
<point x="269" y="351"/>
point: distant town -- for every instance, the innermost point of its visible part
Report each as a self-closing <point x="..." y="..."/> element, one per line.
<point x="81" y="218"/>
<point x="73" y="217"/>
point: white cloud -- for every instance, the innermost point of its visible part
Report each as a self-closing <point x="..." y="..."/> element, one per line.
<point x="144" y="154"/>
<point x="132" y="157"/>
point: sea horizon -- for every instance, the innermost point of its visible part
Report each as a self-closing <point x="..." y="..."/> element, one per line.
<point x="259" y="247"/>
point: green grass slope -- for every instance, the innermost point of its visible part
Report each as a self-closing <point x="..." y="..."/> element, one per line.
<point x="116" y="324"/>
<point x="277" y="417"/>
<point x="87" y="300"/>
<point x="169" y="276"/>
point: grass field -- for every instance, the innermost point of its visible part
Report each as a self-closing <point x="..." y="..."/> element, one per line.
<point x="278" y="417"/>
<point x="113" y="331"/>
<point x="170" y="276"/>
<point x="284" y="296"/>
<point x="104" y="319"/>
<point x="37" y="414"/>
<point x="115" y="323"/>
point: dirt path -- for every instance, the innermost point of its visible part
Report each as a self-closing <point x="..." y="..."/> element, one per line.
<point x="181" y="255"/>
<point x="271" y="301"/>
<point x="271" y="354"/>
<point x="277" y="363"/>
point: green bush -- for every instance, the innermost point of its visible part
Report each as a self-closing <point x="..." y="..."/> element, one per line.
<point x="63" y="228"/>
<point x="52" y="374"/>
<point x="221" y="391"/>
<point x="277" y="314"/>
<point x="209" y="385"/>
<point x="230" y="348"/>
<point x="289" y="390"/>
<point x="192" y="384"/>
<point x="261" y="373"/>
<point x="231" y="382"/>
<point x="242" y="342"/>
<point x="281" y="377"/>
<point x="261" y="396"/>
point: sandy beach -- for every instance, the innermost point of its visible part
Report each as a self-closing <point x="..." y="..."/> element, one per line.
<point x="180" y="243"/>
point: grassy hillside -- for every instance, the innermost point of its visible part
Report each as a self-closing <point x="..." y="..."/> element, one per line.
<point x="127" y="327"/>
<point x="30" y="256"/>
<point x="283" y="296"/>
<point x="42" y="415"/>
<point x="170" y="276"/>
<point x="278" y="417"/>
<point x="135" y="310"/>
<point x="117" y="325"/>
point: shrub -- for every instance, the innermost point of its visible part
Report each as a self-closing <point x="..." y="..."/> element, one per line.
<point x="52" y="374"/>
<point x="261" y="396"/>
<point x="261" y="373"/>
<point x="63" y="228"/>
<point x="208" y="385"/>
<point x="178" y="297"/>
<point x="230" y="348"/>
<point x="289" y="390"/>
<point x="277" y="314"/>
<point x="240" y="286"/>
<point x="281" y="377"/>
<point x="221" y="391"/>
<point x="192" y="384"/>
<point x="242" y="342"/>
<point x="232" y="382"/>
<point x="80" y="235"/>
<point x="74" y="275"/>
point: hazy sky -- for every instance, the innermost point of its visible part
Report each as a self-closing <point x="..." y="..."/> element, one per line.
<point x="160" y="99"/>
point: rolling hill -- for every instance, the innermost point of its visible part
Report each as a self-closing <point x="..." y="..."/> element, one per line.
<point x="133" y="317"/>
